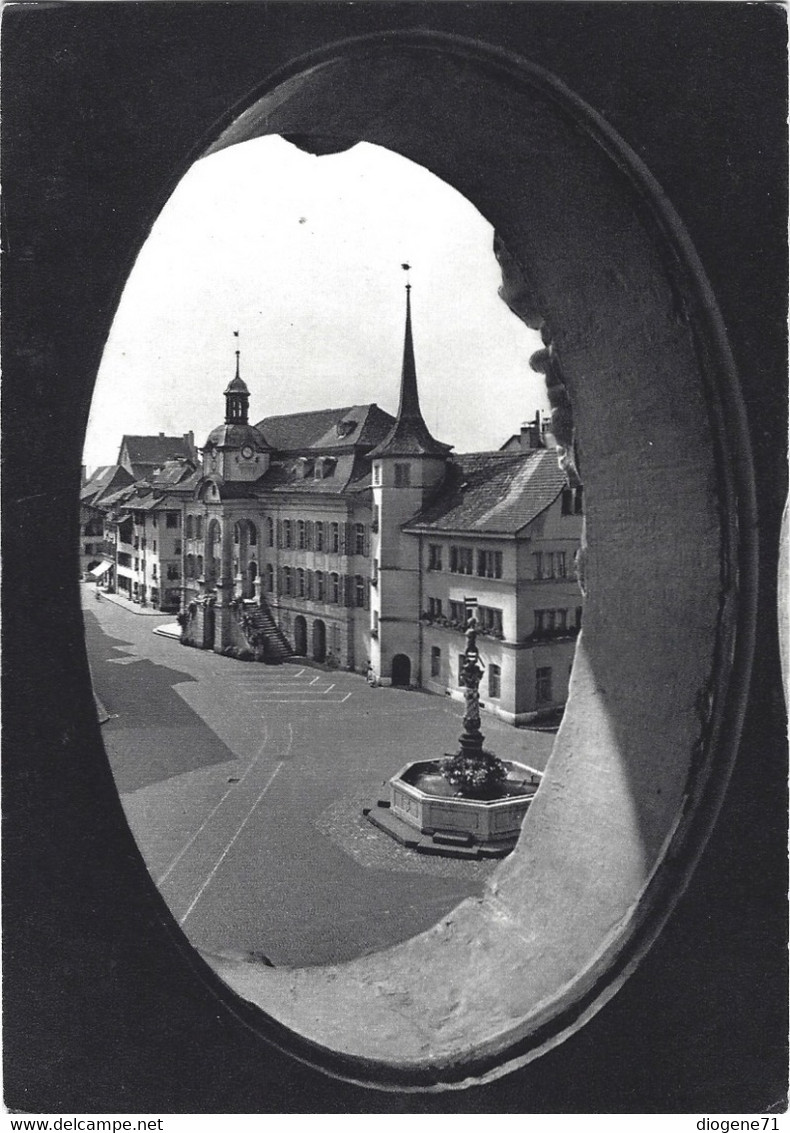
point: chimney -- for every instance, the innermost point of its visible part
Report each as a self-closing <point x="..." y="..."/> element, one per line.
<point x="189" y="441"/>
<point x="532" y="434"/>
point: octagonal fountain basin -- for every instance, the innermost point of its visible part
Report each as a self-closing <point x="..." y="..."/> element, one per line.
<point x="421" y="810"/>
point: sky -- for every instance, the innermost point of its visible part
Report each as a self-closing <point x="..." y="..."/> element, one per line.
<point x="302" y="256"/>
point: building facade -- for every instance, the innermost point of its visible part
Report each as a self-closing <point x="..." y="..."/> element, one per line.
<point x="358" y="540"/>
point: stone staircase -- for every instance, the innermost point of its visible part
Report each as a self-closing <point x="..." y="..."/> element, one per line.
<point x="259" y="628"/>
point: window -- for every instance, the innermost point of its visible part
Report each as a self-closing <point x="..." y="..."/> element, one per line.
<point x="319" y="536"/>
<point x="137" y="542"/>
<point x="359" y="590"/>
<point x="436" y="661"/>
<point x="561" y="620"/>
<point x="136" y="564"/>
<point x="172" y="518"/>
<point x="376" y="473"/>
<point x="435" y="607"/>
<point x="402" y="475"/>
<point x="143" y="543"/>
<point x="287" y="580"/>
<point x="190" y="527"/>
<point x="489" y="564"/>
<point x="153" y="519"/>
<point x="546" y="564"/>
<point x="374" y="527"/>
<point x="567" y="501"/>
<point x="579" y="617"/>
<point x="269" y="531"/>
<point x="176" y="546"/>
<point x="540" y="623"/>
<point x="287" y="533"/>
<point x="153" y="571"/>
<point x="253" y="535"/>
<point x="461" y="560"/>
<point x="199" y="566"/>
<point x="561" y="568"/>
<point x="172" y="572"/>
<point x="177" y="550"/>
<point x="319" y="586"/>
<point x="300" y="583"/>
<point x="334" y="545"/>
<point x="457" y="613"/>
<point x="269" y="578"/>
<point x="359" y="539"/>
<point x="334" y="587"/>
<point x="578" y="501"/>
<point x="199" y="527"/>
<point x="494" y="682"/>
<point x="434" y="556"/>
<point x="236" y="533"/>
<point x="490" y="619"/>
<point x="300" y="535"/>
<point x="374" y="577"/>
<point x="543" y="686"/>
<point x="374" y="624"/>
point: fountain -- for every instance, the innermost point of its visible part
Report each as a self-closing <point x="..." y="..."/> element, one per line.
<point x="470" y="804"/>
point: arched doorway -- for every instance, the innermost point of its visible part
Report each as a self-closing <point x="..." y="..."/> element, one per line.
<point x="249" y="581"/>
<point x="319" y="640"/>
<point x="300" y="636"/>
<point x="401" y="670"/>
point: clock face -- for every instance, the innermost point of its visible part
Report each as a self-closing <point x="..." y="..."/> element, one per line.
<point x="247" y="452"/>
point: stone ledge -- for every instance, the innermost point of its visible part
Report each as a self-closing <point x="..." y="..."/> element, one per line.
<point x="382" y="817"/>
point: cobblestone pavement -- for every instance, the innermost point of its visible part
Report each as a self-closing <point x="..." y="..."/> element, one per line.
<point x="243" y="785"/>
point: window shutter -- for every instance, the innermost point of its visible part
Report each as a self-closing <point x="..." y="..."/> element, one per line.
<point x="279" y="533"/>
<point x="366" y="540"/>
<point x="343" y="533"/>
<point x="308" y="584"/>
<point x="281" y="580"/>
<point x="367" y="594"/>
<point x="348" y="590"/>
<point x="308" y="535"/>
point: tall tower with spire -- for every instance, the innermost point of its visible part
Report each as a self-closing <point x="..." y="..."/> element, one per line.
<point x="408" y="465"/>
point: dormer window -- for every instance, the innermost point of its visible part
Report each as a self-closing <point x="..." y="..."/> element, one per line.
<point x="345" y="427"/>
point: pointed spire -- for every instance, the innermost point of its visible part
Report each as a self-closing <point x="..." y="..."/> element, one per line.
<point x="237" y="395"/>
<point x="409" y="436"/>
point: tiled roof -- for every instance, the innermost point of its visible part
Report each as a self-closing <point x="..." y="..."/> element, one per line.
<point x="175" y="473"/>
<point x="110" y="477"/>
<point x="341" y="473"/>
<point x="497" y="492"/>
<point x="154" y="450"/>
<point x="354" y="425"/>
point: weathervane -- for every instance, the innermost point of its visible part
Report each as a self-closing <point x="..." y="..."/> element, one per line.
<point x="407" y="268"/>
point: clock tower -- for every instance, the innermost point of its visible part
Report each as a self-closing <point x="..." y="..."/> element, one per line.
<point x="236" y="451"/>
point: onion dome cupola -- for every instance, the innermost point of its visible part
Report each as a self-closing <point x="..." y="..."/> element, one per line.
<point x="236" y="450"/>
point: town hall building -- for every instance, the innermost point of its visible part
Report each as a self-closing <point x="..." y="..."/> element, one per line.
<point x="359" y="540"/>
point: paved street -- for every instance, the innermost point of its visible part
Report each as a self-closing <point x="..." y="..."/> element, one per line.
<point x="244" y="783"/>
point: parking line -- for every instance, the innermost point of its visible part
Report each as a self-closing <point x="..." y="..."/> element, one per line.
<point x="208" y="817"/>
<point x="227" y="849"/>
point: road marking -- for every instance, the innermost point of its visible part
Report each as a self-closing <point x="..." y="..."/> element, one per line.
<point x="208" y="817"/>
<point x="318" y="703"/>
<point x="313" y="681"/>
<point x="230" y="844"/>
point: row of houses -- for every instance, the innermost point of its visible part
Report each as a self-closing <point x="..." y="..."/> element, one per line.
<point x="356" y="539"/>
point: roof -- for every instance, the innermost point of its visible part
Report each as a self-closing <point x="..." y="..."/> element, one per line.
<point x="493" y="492"/>
<point x="154" y="450"/>
<point x="176" y="473"/>
<point x="110" y="477"/>
<point x="235" y="435"/>
<point x="358" y="426"/>
<point x="409" y="435"/>
<point x="337" y="475"/>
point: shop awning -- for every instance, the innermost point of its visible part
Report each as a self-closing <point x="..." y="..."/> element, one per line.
<point x="101" y="569"/>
